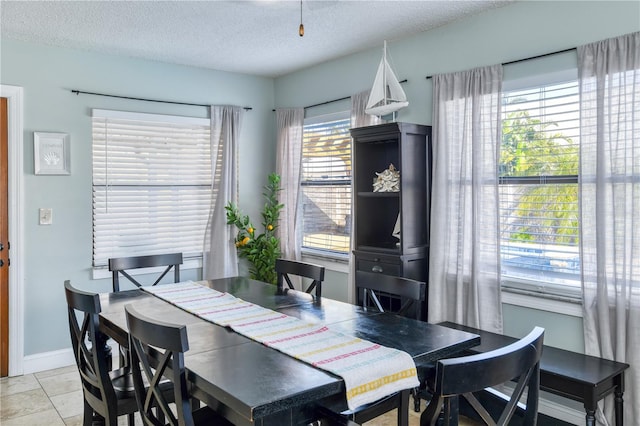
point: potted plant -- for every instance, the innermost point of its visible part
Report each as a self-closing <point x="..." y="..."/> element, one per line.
<point x="261" y="250"/>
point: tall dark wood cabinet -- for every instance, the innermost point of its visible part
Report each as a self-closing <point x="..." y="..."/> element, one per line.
<point x="408" y="147"/>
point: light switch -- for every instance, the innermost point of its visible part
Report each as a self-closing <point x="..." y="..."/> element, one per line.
<point x="46" y="216"/>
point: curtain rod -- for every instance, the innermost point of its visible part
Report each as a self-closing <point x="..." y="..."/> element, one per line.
<point x="78" y="92"/>
<point x="531" y="57"/>
<point x="337" y="100"/>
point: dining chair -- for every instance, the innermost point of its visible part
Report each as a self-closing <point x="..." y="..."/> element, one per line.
<point x="108" y="394"/>
<point x="165" y="359"/>
<point x="411" y="294"/>
<point x="285" y="267"/>
<point x="398" y="401"/>
<point x="120" y="265"/>
<point x="454" y="377"/>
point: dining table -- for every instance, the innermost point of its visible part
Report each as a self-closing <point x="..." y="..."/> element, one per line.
<point x="253" y="384"/>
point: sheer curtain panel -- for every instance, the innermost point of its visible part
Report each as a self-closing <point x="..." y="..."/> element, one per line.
<point x="220" y="259"/>
<point x="464" y="265"/>
<point x="359" y="118"/>
<point x="609" y="73"/>
<point x="289" y="122"/>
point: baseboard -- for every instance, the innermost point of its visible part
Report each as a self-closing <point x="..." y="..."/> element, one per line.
<point x="47" y="361"/>
<point x="54" y="359"/>
<point x="561" y="412"/>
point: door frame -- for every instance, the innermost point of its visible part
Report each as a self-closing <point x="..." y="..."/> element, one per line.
<point x="15" y="111"/>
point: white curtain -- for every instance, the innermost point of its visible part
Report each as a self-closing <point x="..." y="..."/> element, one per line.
<point x="289" y="124"/>
<point x="464" y="263"/>
<point x="609" y="73"/>
<point x="359" y="118"/>
<point x="219" y="257"/>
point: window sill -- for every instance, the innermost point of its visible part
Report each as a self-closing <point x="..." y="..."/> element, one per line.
<point x="542" y="302"/>
<point x="336" y="263"/>
<point x="103" y="272"/>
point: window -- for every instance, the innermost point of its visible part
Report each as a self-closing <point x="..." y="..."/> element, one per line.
<point x="325" y="197"/>
<point x="151" y="184"/>
<point x="538" y="173"/>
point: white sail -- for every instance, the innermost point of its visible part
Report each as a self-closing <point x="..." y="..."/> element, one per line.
<point x="386" y="95"/>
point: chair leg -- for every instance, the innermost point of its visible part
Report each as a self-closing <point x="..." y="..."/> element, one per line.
<point x="123" y="357"/>
<point x="415" y="393"/>
<point x="87" y="415"/>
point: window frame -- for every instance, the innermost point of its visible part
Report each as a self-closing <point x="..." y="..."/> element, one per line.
<point x="100" y="271"/>
<point x="335" y="258"/>
<point x="522" y="290"/>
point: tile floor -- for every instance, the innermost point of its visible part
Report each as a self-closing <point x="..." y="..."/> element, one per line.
<point x="51" y="398"/>
<point x="54" y="398"/>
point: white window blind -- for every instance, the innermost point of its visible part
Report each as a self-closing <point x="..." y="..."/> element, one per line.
<point x="539" y="189"/>
<point x="325" y="197"/>
<point x="151" y="184"/>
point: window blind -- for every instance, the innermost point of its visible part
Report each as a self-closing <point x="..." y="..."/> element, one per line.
<point x="326" y="184"/>
<point x="151" y="184"/>
<point x="539" y="188"/>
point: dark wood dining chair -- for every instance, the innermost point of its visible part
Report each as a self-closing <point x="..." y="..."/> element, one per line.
<point x="108" y="394"/>
<point x="519" y="361"/>
<point x="120" y="265"/>
<point x="411" y="294"/>
<point x="315" y="273"/>
<point x="397" y="401"/>
<point x="165" y="359"/>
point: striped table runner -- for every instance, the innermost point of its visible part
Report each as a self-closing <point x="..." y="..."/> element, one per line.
<point x="370" y="371"/>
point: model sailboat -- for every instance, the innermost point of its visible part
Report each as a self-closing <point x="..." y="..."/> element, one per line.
<point x="386" y="95"/>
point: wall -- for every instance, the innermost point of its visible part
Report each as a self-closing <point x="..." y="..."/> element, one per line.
<point x="63" y="250"/>
<point x="516" y="31"/>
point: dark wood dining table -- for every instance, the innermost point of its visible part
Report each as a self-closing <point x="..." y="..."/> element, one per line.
<point x="251" y="384"/>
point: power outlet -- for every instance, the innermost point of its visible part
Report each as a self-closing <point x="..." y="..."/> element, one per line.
<point x="46" y="216"/>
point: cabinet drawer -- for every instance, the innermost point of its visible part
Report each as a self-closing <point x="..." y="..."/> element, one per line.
<point x="379" y="267"/>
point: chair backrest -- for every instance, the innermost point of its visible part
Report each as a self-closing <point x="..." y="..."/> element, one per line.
<point x="120" y="265"/>
<point x="518" y="361"/>
<point x="165" y="359"/>
<point x="284" y="268"/>
<point x="412" y="293"/>
<point x="93" y="357"/>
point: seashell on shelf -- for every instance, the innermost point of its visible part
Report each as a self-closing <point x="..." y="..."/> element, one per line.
<point x="387" y="181"/>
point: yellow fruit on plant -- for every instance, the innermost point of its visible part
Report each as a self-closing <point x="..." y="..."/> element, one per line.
<point x="245" y="241"/>
<point x="250" y="230"/>
<point x="270" y="227"/>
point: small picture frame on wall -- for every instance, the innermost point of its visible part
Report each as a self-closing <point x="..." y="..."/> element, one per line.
<point x="51" y="153"/>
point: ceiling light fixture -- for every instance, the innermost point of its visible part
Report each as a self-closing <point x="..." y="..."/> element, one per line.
<point x="301" y="29"/>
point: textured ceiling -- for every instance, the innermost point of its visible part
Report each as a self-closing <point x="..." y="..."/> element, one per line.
<point x="251" y="37"/>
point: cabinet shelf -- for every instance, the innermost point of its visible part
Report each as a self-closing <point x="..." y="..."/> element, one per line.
<point x="391" y="248"/>
<point x="371" y="194"/>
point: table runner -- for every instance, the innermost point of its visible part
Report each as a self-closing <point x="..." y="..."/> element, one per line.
<point x="370" y="371"/>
